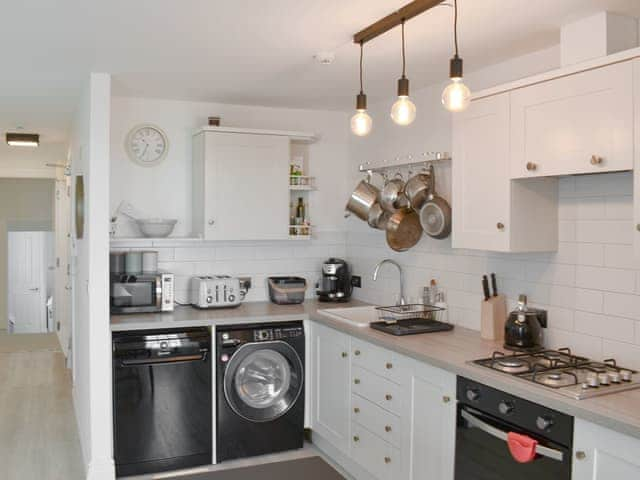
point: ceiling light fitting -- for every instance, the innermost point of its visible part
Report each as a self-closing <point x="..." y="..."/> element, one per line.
<point x="361" y="122"/>
<point x="403" y="111"/>
<point x="456" y="96"/>
<point x="23" y="139"/>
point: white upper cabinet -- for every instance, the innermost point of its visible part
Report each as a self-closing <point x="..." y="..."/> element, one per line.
<point x="602" y="454"/>
<point x="240" y="186"/>
<point x="581" y="123"/>
<point x="480" y="173"/>
<point x="490" y="211"/>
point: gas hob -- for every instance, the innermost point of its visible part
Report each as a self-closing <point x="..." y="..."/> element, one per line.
<point x="568" y="374"/>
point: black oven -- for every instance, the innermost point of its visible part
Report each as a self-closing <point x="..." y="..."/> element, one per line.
<point x="500" y="436"/>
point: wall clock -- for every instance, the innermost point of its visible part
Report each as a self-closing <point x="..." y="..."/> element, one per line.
<point x="147" y="145"/>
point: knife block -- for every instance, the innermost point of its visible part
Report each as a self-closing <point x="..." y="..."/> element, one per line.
<point x="493" y="316"/>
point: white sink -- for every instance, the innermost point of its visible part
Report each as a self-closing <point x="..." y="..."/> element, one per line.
<point x="355" y="316"/>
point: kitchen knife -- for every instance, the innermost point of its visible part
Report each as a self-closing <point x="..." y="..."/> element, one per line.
<point x="485" y="287"/>
<point x="494" y="285"/>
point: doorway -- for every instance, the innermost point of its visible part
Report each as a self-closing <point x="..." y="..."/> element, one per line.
<point x="30" y="282"/>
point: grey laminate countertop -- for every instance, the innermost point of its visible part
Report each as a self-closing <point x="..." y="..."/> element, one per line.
<point x="450" y="351"/>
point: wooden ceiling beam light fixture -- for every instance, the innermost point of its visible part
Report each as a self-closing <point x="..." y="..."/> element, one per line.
<point x="393" y="20"/>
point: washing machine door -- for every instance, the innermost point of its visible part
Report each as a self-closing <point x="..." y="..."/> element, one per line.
<point x="263" y="380"/>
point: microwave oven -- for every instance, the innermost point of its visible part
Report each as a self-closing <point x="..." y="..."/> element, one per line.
<point x="141" y="293"/>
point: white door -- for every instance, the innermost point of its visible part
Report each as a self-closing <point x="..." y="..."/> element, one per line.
<point x="602" y="454"/>
<point x="480" y="174"/>
<point x="331" y="385"/>
<point x="246" y="186"/>
<point x="27" y="282"/>
<point x="582" y="123"/>
<point x="636" y="171"/>
<point x="433" y="424"/>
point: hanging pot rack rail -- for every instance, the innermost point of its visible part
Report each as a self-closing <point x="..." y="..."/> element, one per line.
<point x="428" y="159"/>
<point x="394" y="19"/>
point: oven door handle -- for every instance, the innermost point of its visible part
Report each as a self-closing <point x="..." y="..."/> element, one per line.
<point x="164" y="361"/>
<point x="501" y="435"/>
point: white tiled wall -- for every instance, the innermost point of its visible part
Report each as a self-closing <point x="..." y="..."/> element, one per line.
<point x="591" y="286"/>
<point x="258" y="260"/>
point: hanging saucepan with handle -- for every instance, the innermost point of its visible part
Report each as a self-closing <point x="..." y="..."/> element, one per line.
<point x="435" y="214"/>
<point x="403" y="230"/>
<point x="363" y="198"/>
<point x="418" y="188"/>
<point x="392" y="196"/>
<point x="378" y="217"/>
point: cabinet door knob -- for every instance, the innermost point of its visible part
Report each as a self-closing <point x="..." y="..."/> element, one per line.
<point x="357" y="353"/>
<point x="531" y="166"/>
<point x="357" y="381"/>
<point x="446" y="399"/>
<point x="356" y="410"/>
<point x="387" y="459"/>
<point x="596" y="160"/>
<point x="389" y="366"/>
<point x="387" y="429"/>
<point x="500" y="226"/>
<point x="580" y="455"/>
<point x="388" y="397"/>
<point x="211" y="222"/>
<point x="356" y="438"/>
<point x="344" y="354"/>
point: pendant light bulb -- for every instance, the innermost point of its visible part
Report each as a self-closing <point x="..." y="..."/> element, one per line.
<point x="456" y="96"/>
<point x="361" y="122"/>
<point x="403" y="111"/>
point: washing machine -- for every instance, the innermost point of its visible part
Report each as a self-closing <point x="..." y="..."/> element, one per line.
<point x="260" y="389"/>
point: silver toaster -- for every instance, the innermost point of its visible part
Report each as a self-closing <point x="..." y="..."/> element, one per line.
<point x="218" y="291"/>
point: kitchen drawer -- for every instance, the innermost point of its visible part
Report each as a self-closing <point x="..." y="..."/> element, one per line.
<point x="375" y="455"/>
<point x="384" y="424"/>
<point x="377" y="389"/>
<point x="379" y="361"/>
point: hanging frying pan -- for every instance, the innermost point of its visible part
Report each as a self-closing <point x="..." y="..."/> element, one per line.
<point x="435" y="214"/>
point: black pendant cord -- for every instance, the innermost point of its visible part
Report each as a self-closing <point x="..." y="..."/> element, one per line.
<point x="455" y="25"/>
<point x="404" y="62"/>
<point x="361" y="63"/>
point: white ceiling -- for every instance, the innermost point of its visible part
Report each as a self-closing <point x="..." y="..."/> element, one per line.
<point x="250" y="51"/>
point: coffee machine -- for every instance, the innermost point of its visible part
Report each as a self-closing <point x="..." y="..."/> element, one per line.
<point x="335" y="284"/>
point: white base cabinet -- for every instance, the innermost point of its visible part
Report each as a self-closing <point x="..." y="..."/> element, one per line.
<point x="384" y="416"/>
<point x="602" y="454"/>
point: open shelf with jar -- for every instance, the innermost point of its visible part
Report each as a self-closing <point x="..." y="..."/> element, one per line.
<point x="300" y="187"/>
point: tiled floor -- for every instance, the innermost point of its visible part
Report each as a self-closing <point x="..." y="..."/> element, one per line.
<point x="38" y="434"/>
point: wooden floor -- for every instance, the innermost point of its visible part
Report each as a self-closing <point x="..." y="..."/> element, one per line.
<point x="38" y="434"/>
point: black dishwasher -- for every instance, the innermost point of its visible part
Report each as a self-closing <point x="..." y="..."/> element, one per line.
<point x="161" y="400"/>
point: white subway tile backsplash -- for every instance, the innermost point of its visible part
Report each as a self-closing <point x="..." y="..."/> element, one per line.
<point x="596" y="325"/>
<point x="589" y="300"/>
<point x="579" y="343"/>
<point x="619" y="208"/>
<point x="592" y="208"/>
<point x="555" y="274"/>
<point x="607" y="279"/>
<point x="194" y="254"/>
<point x="626" y="354"/>
<point x="622" y="305"/>
<point x="590" y="254"/>
<point x="567" y="231"/>
<point x="604" y="231"/>
<point x="618" y="256"/>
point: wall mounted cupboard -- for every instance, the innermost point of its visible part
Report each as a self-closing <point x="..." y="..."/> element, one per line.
<point x="240" y="183"/>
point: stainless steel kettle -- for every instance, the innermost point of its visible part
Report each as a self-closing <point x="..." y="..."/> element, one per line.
<point x="523" y="328"/>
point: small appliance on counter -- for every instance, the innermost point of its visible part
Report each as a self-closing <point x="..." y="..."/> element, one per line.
<point x="523" y="328"/>
<point x="218" y="291"/>
<point x="287" y="290"/>
<point x="132" y="291"/>
<point x="335" y="284"/>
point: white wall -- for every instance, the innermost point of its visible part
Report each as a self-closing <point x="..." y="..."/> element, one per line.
<point x="92" y="336"/>
<point x="31" y="162"/>
<point x="590" y="287"/>
<point x="165" y="190"/>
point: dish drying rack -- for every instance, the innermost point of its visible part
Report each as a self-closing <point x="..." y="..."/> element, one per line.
<point x="410" y="312"/>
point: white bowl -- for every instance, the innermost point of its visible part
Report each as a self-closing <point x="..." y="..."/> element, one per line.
<point x="156" y="227"/>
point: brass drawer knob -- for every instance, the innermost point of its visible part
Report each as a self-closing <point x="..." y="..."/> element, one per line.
<point x="356" y="410"/>
<point x="387" y="459"/>
<point x="357" y="381"/>
<point x="580" y="455"/>
<point x="596" y="160"/>
<point x="356" y="438"/>
<point x="388" y="397"/>
<point x="389" y="366"/>
<point x="531" y="166"/>
<point x="357" y="352"/>
<point x="344" y="354"/>
<point x="387" y="429"/>
<point x="500" y="226"/>
<point x="446" y="399"/>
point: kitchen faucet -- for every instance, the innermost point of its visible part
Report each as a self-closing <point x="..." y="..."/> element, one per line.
<point x="402" y="300"/>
